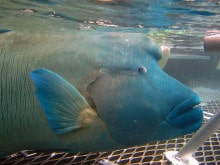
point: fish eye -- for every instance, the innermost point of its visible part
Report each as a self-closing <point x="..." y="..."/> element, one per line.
<point x="142" y="70"/>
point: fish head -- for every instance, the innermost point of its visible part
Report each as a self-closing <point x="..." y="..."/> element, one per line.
<point x="139" y="102"/>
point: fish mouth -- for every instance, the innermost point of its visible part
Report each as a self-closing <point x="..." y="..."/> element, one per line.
<point x="187" y="114"/>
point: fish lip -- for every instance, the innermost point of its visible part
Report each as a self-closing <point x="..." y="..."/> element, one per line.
<point x="191" y="104"/>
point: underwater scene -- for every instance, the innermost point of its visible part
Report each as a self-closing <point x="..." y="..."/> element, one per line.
<point x="110" y="82"/>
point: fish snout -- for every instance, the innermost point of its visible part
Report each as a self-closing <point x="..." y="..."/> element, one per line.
<point x="187" y="114"/>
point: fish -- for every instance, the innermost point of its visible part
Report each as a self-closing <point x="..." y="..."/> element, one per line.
<point x="88" y="92"/>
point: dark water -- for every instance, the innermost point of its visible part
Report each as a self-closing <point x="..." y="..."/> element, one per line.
<point x="175" y="22"/>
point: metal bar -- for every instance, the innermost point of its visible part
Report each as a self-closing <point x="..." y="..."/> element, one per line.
<point x="198" y="139"/>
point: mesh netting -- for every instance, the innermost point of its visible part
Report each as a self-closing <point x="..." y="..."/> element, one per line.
<point x="152" y="153"/>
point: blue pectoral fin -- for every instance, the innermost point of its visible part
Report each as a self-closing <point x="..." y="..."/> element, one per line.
<point x="64" y="106"/>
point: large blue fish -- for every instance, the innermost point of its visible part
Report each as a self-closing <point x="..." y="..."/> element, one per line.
<point x="88" y="92"/>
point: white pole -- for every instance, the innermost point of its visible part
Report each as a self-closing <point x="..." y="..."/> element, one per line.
<point x="184" y="156"/>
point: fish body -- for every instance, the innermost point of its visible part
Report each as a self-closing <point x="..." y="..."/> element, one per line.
<point x="87" y="92"/>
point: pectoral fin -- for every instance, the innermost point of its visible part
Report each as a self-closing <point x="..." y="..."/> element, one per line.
<point x="65" y="108"/>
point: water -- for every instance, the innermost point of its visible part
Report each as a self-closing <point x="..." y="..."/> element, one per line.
<point x="175" y="23"/>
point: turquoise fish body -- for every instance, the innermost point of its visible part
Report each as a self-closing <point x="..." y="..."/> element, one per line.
<point x="86" y="92"/>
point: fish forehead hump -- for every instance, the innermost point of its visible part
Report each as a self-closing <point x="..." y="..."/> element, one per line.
<point x="117" y="51"/>
<point x="131" y="44"/>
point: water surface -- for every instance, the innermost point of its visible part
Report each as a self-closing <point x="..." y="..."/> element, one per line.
<point x="174" y="22"/>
